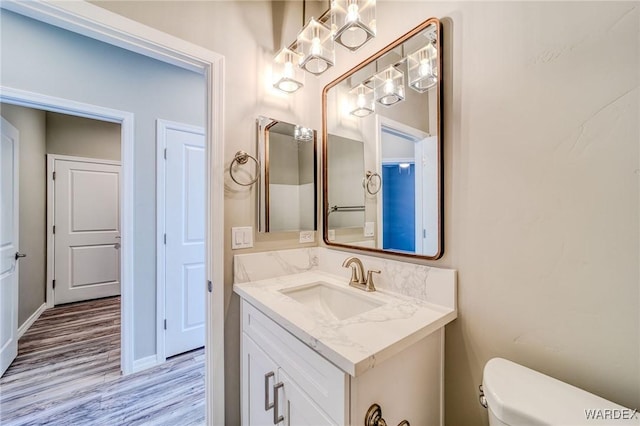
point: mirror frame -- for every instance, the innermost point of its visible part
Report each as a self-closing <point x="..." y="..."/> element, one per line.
<point x="263" y="201"/>
<point x="325" y="171"/>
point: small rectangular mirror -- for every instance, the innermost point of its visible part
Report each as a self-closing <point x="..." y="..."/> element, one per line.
<point x="287" y="190"/>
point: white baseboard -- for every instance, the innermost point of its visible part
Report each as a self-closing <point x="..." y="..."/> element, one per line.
<point x="29" y="322"/>
<point x="144" y="363"/>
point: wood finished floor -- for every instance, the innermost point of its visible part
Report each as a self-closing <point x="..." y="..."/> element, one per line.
<point x="68" y="373"/>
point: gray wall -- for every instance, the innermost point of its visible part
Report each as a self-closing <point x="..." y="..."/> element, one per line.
<point x="43" y="59"/>
<point x="33" y="207"/>
<point x="82" y="137"/>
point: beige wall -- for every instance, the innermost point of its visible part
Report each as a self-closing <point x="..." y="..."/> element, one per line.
<point x="33" y="194"/>
<point x="82" y="137"/>
<point x="541" y="176"/>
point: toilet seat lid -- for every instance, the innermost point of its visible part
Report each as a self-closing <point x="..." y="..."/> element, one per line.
<point x="518" y="395"/>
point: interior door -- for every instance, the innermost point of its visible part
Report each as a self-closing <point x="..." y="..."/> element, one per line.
<point x="427" y="195"/>
<point x="9" y="189"/>
<point x="184" y="241"/>
<point x="86" y="229"/>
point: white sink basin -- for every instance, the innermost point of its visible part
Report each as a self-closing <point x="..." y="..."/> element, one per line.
<point x="331" y="301"/>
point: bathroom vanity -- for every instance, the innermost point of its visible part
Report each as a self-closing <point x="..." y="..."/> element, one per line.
<point x="318" y="352"/>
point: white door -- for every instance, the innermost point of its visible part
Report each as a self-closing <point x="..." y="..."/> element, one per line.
<point x="426" y="191"/>
<point x="87" y="229"/>
<point x="185" y="289"/>
<point x="8" y="245"/>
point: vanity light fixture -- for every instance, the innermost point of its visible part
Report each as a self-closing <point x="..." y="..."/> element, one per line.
<point x="353" y="22"/>
<point x="302" y="134"/>
<point x="288" y="76"/>
<point x="422" y="66"/>
<point x="361" y="100"/>
<point x="315" y="45"/>
<point x="389" y="86"/>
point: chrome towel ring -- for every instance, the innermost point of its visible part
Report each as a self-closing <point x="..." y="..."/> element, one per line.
<point x="241" y="158"/>
<point x="369" y="181"/>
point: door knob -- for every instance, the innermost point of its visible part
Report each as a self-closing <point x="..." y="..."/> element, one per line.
<point x="19" y="255"/>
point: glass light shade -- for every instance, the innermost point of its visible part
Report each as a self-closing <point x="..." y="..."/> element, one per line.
<point x="389" y="86"/>
<point x="422" y="68"/>
<point x="361" y="101"/>
<point x="287" y="76"/>
<point x="302" y="134"/>
<point x="353" y="22"/>
<point x="315" y="45"/>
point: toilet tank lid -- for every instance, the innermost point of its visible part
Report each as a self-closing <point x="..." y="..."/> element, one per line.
<point x="518" y="395"/>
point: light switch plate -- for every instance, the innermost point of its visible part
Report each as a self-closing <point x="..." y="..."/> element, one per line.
<point x="241" y="237"/>
<point x="369" y="229"/>
<point x="306" y="236"/>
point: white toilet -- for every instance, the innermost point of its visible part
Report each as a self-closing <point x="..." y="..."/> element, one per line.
<point x="518" y="396"/>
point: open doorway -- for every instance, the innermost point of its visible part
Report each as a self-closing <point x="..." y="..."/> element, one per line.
<point x="92" y="21"/>
<point x="69" y="227"/>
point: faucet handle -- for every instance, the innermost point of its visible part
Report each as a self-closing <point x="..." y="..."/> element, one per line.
<point x="370" y="285"/>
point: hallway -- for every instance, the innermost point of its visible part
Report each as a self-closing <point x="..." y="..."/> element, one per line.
<point x="68" y="372"/>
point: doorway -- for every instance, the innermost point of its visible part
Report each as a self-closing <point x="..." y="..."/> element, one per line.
<point x="91" y="21"/>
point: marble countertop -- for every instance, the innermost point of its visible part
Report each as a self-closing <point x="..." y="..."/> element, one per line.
<point x="354" y="344"/>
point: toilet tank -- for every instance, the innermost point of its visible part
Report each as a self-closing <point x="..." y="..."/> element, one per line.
<point x="519" y="396"/>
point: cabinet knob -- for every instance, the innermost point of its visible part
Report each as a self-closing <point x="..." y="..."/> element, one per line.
<point x="374" y="417"/>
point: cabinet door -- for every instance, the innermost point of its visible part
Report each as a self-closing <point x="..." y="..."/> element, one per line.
<point x="296" y="407"/>
<point x="258" y="377"/>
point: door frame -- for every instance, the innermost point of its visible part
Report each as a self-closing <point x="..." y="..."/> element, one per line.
<point x="95" y="22"/>
<point x="51" y="249"/>
<point x="417" y="134"/>
<point x="161" y="173"/>
<point x="125" y="119"/>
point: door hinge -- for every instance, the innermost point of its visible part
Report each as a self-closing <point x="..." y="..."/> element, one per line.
<point x="209" y="286"/>
<point x="54" y="284"/>
<point x="54" y="229"/>
<point x="165" y="238"/>
<point x="54" y="175"/>
<point x="165" y="324"/>
<point x="165" y="153"/>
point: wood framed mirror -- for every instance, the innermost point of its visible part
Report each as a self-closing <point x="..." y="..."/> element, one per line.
<point x="287" y="184"/>
<point x="382" y="170"/>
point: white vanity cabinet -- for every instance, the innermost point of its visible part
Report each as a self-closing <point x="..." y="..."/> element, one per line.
<point x="313" y="391"/>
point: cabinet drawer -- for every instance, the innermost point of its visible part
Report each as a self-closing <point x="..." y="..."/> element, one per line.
<point x="325" y="383"/>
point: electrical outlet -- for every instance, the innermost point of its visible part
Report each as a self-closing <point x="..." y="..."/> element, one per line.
<point x="306" y="236"/>
<point x="332" y="234"/>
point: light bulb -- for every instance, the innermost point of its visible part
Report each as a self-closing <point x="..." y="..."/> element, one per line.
<point x="389" y="86"/>
<point x="288" y="70"/>
<point x="425" y="68"/>
<point x="316" y="47"/>
<point x="353" y="14"/>
<point x="361" y="100"/>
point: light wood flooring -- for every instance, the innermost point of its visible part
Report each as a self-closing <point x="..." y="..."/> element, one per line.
<point x="68" y="373"/>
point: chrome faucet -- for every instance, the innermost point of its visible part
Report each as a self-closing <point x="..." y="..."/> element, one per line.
<point x="357" y="274"/>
